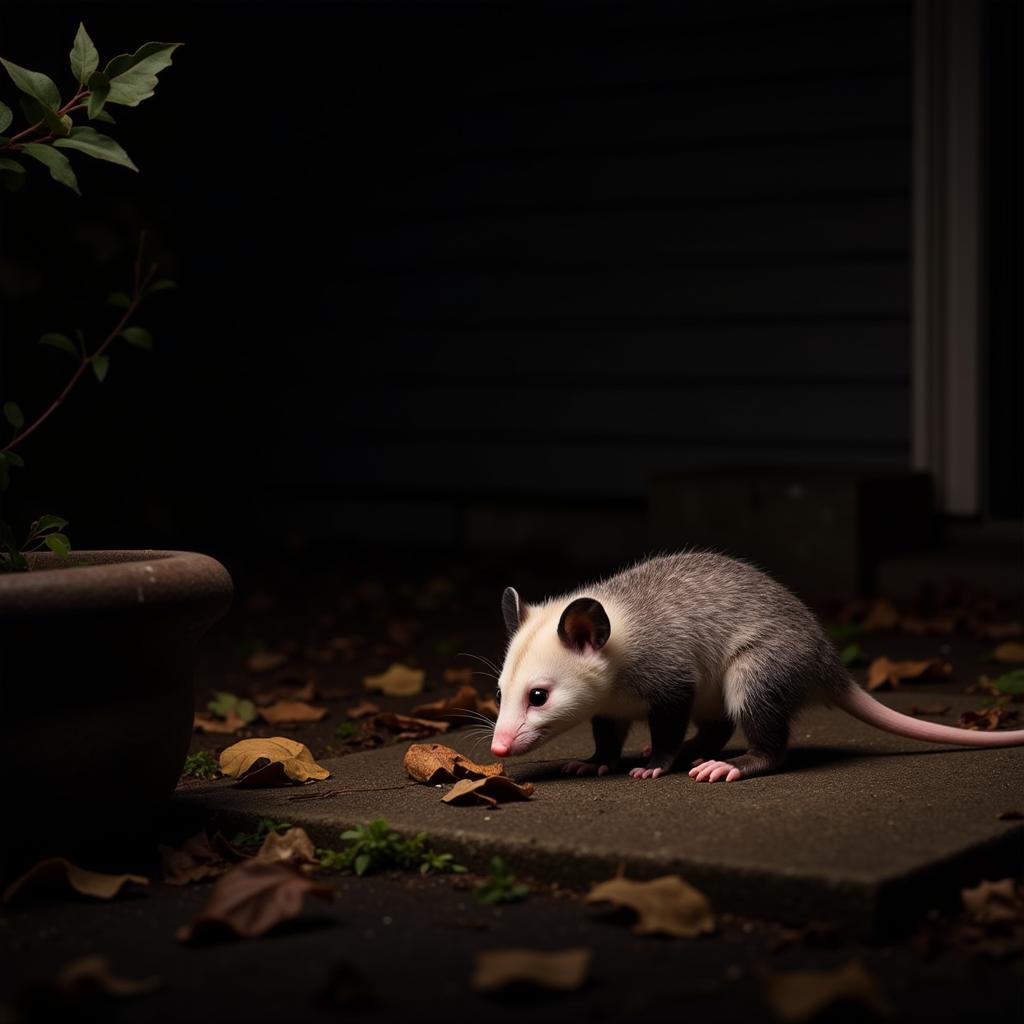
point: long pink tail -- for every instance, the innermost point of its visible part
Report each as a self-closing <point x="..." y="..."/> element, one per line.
<point x="859" y="703"/>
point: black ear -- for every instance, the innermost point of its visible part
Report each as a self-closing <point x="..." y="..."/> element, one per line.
<point x="583" y="624"/>
<point x="513" y="610"/>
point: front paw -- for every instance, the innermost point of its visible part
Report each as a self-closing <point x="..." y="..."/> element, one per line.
<point x="654" y="769"/>
<point x="587" y="768"/>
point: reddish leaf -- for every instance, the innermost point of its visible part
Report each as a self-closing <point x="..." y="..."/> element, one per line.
<point x="431" y="763"/>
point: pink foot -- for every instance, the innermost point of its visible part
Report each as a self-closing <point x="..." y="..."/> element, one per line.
<point x="646" y="773"/>
<point x="585" y="768"/>
<point x="715" y="771"/>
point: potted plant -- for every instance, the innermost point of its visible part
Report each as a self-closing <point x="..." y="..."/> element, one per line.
<point x="96" y="647"/>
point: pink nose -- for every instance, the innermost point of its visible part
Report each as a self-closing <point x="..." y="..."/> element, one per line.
<point x="499" y="749"/>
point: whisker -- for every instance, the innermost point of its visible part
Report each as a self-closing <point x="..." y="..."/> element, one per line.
<point x="486" y="661"/>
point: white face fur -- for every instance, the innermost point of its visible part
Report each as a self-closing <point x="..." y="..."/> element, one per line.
<point x="549" y="684"/>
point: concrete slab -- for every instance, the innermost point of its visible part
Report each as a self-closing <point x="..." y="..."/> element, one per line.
<point x="865" y="829"/>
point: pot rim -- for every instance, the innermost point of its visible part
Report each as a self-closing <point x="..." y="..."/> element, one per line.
<point x="113" y="579"/>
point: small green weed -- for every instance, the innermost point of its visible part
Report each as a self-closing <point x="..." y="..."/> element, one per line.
<point x="223" y="704"/>
<point x="501" y="885"/>
<point x="375" y="847"/>
<point x="346" y="731"/>
<point x="250" y="842"/>
<point x="849" y="654"/>
<point x="201" y="765"/>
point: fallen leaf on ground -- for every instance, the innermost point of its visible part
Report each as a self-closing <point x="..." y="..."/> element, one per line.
<point x="303" y="691"/>
<point x="495" y="789"/>
<point x="465" y="705"/>
<point x="270" y="762"/>
<point x="407" y="727"/>
<point x="265" y="661"/>
<point x="207" y="723"/>
<point x="664" y="906"/>
<point x="931" y="709"/>
<point x="431" y="763"/>
<point x="292" y="847"/>
<point x="797" y="996"/>
<point x="562" y="970"/>
<point x="489" y="708"/>
<point x="291" y="711"/>
<point x="92" y="975"/>
<point x="252" y="898"/>
<point x="458" y="676"/>
<point x="398" y="681"/>
<point x="59" y="873"/>
<point x="999" y="630"/>
<point x="989" y="719"/>
<point x="883" y="670"/>
<point x="923" y="627"/>
<point x="992" y="902"/>
<point x="363" y="709"/>
<point x="881" y="614"/>
<point x="1009" y="653"/>
<point x="193" y="861"/>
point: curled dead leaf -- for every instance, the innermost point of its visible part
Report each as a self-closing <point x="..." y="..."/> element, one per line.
<point x="492" y="790"/>
<point x="363" y="709"/>
<point x="252" y="898"/>
<point x="291" y="711"/>
<point x="460" y="709"/>
<point x="664" y="906"/>
<point x="60" y="873"/>
<point x="208" y="723"/>
<point x="398" y="681"/>
<point x="884" y="671"/>
<point x="270" y="762"/>
<point x="1010" y="653"/>
<point x="431" y="763"/>
<point x="989" y="719"/>
<point x="797" y="996"/>
<point x="563" y="970"/>
<point x="265" y="661"/>
<point x="292" y="847"/>
<point x="194" y="861"/>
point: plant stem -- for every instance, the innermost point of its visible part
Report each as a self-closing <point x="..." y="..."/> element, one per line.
<point x="140" y="283"/>
<point x="82" y="93"/>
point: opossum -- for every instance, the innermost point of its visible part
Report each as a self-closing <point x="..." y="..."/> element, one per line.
<point x="695" y="635"/>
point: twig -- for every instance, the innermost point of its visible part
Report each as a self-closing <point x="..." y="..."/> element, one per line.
<point x="346" y="792"/>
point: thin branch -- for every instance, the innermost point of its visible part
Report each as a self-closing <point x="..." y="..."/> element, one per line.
<point x="82" y="93"/>
<point x="140" y="285"/>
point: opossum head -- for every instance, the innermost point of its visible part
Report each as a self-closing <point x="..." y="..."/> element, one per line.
<point x="559" y="669"/>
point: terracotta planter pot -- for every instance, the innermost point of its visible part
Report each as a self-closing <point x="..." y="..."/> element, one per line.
<point x="96" y="692"/>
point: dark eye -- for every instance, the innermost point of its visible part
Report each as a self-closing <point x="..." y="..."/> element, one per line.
<point x="497" y="697"/>
<point x="538" y="697"/>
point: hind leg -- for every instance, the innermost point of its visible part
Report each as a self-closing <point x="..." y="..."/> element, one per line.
<point x="768" y="739"/>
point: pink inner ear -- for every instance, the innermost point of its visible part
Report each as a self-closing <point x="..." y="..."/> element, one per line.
<point x="579" y="631"/>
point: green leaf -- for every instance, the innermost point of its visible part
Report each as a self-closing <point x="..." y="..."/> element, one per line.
<point x="34" y="83"/>
<point x="11" y="165"/>
<point x="49" y="522"/>
<point x="58" y="544"/>
<point x="101" y="147"/>
<point x="119" y="300"/>
<point x="84" y="56"/>
<point x="60" y="167"/>
<point x="61" y="341"/>
<point x="6" y="117"/>
<point x="163" y="285"/>
<point x="849" y="654"/>
<point x="139" y="337"/>
<point x="57" y="124"/>
<point x="1011" y="683"/>
<point x="103" y="116"/>
<point x="246" y="710"/>
<point x="362" y="863"/>
<point x="133" y="75"/>
<point x="15" y="459"/>
<point x="99" y="92"/>
<point x="100" y="365"/>
<point x="222" y="704"/>
<point x="14" y="415"/>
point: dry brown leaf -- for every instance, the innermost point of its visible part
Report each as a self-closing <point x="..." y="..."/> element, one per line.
<point x="664" y="906"/>
<point x="458" y="676"/>
<point x="194" y="861"/>
<point x="798" y="996"/>
<point x="884" y="671"/>
<point x="992" y="902"/>
<point x="265" y="661"/>
<point x="880" y="615"/>
<point x="291" y="711"/>
<point x="363" y="709"/>
<point x="1009" y="653"/>
<point x="562" y="970"/>
<point x="303" y="691"/>
<point x="492" y="790"/>
<point x="989" y="719"/>
<point x="207" y="723"/>
<point x="59" y="873"/>
<point x="408" y="727"/>
<point x="931" y="709"/>
<point x="292" y="847"/>
<point x="489" y="708"/>
<point x="923" y="627"/>
<point x="398" y="681"/>
<point x="270" y="762"/>
<point x="431" y="763"/>
<point x="999" y="630"/>
<point x="458" y="709"/>
<point x="251" y="898"/>
<point x="92" y="975"/>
